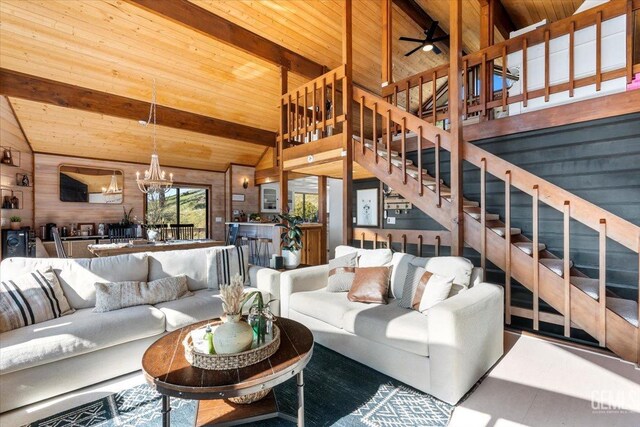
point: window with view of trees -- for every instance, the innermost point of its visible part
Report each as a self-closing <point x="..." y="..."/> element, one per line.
<point x="180" y="206"/>
<point x="306" y="206"/>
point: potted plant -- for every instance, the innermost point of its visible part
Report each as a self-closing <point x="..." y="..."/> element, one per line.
<point x="290" y="239"/>
<point x="126" y="217"/>
<point x="235" y="335"/>
<point x="16" y="222"/>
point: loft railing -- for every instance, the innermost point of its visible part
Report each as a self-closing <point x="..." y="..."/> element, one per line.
<point x="479" y="96"/>
<point x="380" y="237"/>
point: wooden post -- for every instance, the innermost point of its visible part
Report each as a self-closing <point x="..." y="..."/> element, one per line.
<point x="487" y="17"/>
<point x="283" y="175"/>
<point x="455" y="106"/>
<point x="602" y="284"/>
<point x="387" y="40"/>
<point x="483" y="217"/>
<point x="347" y="127"/>
<point x="536" y="259"/>
<point x="322" y="216"/>
<point x="507" y="246"/>
<point x="566" y="268"/>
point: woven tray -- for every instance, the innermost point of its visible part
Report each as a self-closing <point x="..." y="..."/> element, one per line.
<point x="221" y="362"/>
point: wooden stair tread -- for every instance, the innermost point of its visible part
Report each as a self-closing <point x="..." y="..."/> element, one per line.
<point x="398" y="162"/>
<point x="625" y="308"/>
<point x="466" y="203"/>
<point x="500" y="231"/>
<point x="555" y="265"/>
<point x="527" y="247"/>
<point x="489" y="216"/>
<point x="587" y="285"/>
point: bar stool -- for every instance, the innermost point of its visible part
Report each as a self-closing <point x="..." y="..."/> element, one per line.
<point x="263" y="250"/>
<point x="251" y="242"/>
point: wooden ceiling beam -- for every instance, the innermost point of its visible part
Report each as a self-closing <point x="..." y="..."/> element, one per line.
<point x="200" y="19"/>
<point x="33" y="88"/>
<point x="499" y="17"/>
<point x="424" y="21"/>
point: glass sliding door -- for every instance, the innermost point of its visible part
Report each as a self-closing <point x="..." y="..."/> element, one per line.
<point x="180" y="206"/>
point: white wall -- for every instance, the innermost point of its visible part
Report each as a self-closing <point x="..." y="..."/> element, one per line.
<point x="334" y="206"/>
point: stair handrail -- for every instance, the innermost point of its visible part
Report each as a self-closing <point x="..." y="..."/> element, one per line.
<point x="587" y="213"/>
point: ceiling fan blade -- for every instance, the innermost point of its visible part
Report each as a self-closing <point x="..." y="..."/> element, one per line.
<point x="413" y="51"/>
<point x="409" y="39"/>
<point x="432" y="30"/>
<point x="439" y="39"/>
<point x="436" y="50"/>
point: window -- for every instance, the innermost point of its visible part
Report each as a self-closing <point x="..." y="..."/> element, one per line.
<point x="180" y="206"/>
<point x="306" y="206"/>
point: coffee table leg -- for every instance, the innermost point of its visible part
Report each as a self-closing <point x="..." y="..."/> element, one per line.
<point x="166" y="411"/>
<point x="300" y="381"/>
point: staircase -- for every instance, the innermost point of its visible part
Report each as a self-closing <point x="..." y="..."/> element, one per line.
<point x="584" y="302"/>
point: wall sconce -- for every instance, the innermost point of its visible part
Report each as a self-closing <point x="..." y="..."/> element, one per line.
<point x="245" y="183"/>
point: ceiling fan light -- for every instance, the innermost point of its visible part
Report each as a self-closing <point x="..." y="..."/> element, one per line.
<point x="428" y="47"/>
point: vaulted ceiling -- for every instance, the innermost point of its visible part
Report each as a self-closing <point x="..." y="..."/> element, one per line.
<point x="119" y="48"/>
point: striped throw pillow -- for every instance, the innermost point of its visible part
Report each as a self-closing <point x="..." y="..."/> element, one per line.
<point x="32" y="298"/>
<point x="225" y="262"/>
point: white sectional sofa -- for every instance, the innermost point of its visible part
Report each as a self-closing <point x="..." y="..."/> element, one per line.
<point x="84" y="348"/>
<point x="442" y="352"/>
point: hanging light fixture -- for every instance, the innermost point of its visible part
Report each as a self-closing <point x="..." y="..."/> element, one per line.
<point x="154" y="179"/>
<point x="113" y="193"/>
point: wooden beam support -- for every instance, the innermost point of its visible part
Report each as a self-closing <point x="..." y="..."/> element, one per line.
<point x="200" y="19"/>
<point x="387" y="42"/>
<point x="322" y="215"/>
<point x="347" y="125"/>
<point x="456" y="111"/>
<point x="487" y="8"/>
<point x="499" y="17"/>
<point x="424" y="21"/>
<point x="38" y="89"/>
<point x="283" y="175"/>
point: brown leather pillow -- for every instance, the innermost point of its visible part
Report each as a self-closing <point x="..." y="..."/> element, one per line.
<point x="370" y="284"/>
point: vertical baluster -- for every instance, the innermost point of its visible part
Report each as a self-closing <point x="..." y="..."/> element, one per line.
<point x="323" y="104"/>
<point x="602" y="285"/>
<point x="375" y="131"/>
<point x="567" y="269"/>
<point x="536" y="260"/>
<point x="525" y="93"/>
<point x="389" y="141"/>
<point x="362" y="240"/>
<point x="306" y="113"/>
<point x="420" y="186"/>
<point x="375" y="240"/>
<point x="289" y="121"/>
<point x="437" y="165"/>
<point x="420" y="97"/>
<point x="333" y="102"/>
<point x="630" y="46"/>
<point x="546" y="66"/>
<point x="403" y="148"/>
<point x="465" y="88"/>
<point x="572" y="71"/>
<point x="408" y="98"/>
<point x="314" y="101"/>
<point x="507" y="244"/>
<point x="483" y="84"/>
<point x="389" y="241"/>
<point x="395" y="95"/>
<point x="420" y="245"/>
<point x="362" y="139"/>
<point x="483" y="217"/>
<point x="434" y="87"/>
<point x="297" y="112"/>
<point x="404" y="243"/>
<point x="504" y="78"/>
<point x="599" y="50"/>
<point x="437" y="246"/>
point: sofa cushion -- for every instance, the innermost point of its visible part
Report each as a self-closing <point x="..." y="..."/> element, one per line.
<point x="451" y="266"/>
<point x="391" y="325"/>
<point x="202" y="305"/>
<point x="367" y="257"/>
<point x="78" y="275"/>
<point x="31" y="298"/>
<point x="190" y="262"/>
<point x="118" y="295"/>
<point x="81" y="332"/>
<point x="328" y="307"/>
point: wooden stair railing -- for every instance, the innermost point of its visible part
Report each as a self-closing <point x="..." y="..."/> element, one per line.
<point x="583" y="301"/>
<point x="481" y="100"/>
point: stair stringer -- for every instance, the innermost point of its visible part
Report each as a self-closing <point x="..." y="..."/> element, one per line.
<point x="585" y="310"/>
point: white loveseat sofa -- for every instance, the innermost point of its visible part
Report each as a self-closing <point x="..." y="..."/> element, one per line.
<point x="442" y="352"/>
<point x="84" y="348"/>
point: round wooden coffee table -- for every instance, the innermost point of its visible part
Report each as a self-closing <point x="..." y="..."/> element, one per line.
<point x="166" y="368"/>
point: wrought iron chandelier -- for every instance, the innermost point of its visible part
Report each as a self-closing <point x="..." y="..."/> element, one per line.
<point x="154" y="179"/>
<point x="112" y="193"/>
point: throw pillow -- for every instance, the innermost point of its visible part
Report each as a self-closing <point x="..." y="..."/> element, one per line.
<point x="411" y="283"/>
<point x="225" y="262"/>
<point x="370" y="284"/>
<point x="436" y="289"/>
<point x="341" y="273"/>
<point x="114" y="296"/>
<point x="31" y="298"/>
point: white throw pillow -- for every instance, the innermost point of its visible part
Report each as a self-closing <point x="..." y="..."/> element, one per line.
<point x="225" y="262"/>
<point x="423" y="289"/>
<point x="436" y="291"/>
<point x="117" y="295"/>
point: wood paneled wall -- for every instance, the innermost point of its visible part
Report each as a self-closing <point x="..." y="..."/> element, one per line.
<point x="251" y="202"/>
<point x="11" y="136"/>
<point x="49" y="208"/>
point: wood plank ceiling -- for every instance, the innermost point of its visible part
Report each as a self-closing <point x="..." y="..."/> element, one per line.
<point x="527" y="12"/>
<point x="116" y="47"/>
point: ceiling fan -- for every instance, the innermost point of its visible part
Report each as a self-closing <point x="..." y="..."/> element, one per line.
<point x="427" y="44"/>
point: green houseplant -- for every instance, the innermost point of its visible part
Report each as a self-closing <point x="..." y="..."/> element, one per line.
<point x="290" y="239"/>
<point x="16" y="222"/>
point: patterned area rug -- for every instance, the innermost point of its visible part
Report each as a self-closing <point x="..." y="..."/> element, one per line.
<point x="338" y="392"/>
